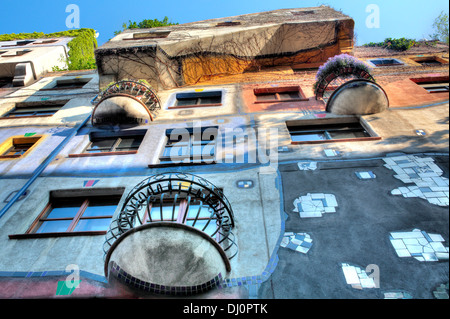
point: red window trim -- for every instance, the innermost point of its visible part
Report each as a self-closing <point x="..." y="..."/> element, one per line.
<point x="277" y="90"/>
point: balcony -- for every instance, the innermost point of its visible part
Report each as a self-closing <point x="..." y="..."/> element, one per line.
<point x="173" y="236"/>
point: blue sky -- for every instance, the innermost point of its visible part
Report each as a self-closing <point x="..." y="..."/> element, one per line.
<point x="397" y="18"/>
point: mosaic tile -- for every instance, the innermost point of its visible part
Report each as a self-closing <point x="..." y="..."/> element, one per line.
<point x="314" y="205"/>
<point x="424" y="173"/>
<point x="365" y="175"/>
<point x="301" y="242"/>
<point x="357" y="277"/>
<point x="397" y="295"/>
<point x="307" y="166"/>
<point x="420" y="245"/>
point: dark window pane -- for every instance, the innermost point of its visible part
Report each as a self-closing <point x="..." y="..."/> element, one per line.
<point x="102" y="145"/>
<point x="183" y="102"/>
<point x="130" y="143"/>
<point x="211" y="100"/>
<point x="266" y="97"/>
<point x="289" y="95"/>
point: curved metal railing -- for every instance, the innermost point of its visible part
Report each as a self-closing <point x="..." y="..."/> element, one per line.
<point x="168" y="190"/>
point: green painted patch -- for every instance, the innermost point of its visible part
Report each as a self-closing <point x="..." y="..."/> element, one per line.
<point x="66" y="288"/>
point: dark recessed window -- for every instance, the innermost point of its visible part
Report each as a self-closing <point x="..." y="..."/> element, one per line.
<point x="15" y="53"/>
<point x="44" y="109"/>
<point x="386" y="62"/>
<point x="435" y="86"/>
<point x="326" y="131"/>
<point x="154" y="34"/>
<point x="119" y="144"/>
<point x="429" y="60"/>
<point x="198" y="99"/>
<point x="65" y="84"/>
<point x="279" y="94"/>
<point x="184" y="146"/>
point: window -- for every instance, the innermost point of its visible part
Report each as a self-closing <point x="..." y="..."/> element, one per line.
<point x="113" y="143"/>
<point x="154" y="34"/>
<point x="16" y="147"/>
<point x="279" y="94"/>
<point x="187" y="146"/>
<point x="198" y="99"/>
<point x="322" y="131"/>
<point x="386" y="62"/>
<point x="192" y="213"/>
<point x="65" y="84"/>
<point x="81" y="214"/>
<point x="435" y="86"/>
<point x="44" y="109"/>
<point x="429" y="61"/>
<point x="15" y="53"/>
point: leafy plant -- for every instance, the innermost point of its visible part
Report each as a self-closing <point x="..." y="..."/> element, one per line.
<point x="145" y="24"/>
<point x="336" y="63"/>
<point x="440" y="27"/>
<point x="81" y="47"/>
<point x="401" y="44"/>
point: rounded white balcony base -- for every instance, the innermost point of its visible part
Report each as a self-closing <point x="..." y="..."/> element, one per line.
<point x="166" y="254"/>
<point x="120" y="109"/>
<point x="358" y="97"/>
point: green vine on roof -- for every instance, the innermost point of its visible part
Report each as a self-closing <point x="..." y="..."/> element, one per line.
<point x="81" y="47"/>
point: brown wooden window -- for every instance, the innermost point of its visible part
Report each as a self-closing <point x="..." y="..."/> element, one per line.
<point x="279" y="94"/>
<point x="16" y="147"/>
<point x="72" y="216"/>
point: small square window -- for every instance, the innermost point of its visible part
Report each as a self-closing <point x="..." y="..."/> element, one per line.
<point x="16" y="147"/>
<point x="113" y="143"/>
<point x="35" y="110"/>
<point x="11" y="54"/>
<point x="322" y="131"/>
<point x="67" y="84"/>
<point x="279" y="94"/>
<point x="197" y="99"/>
<point x="438" y="84"/>
<point x="154" y="34"/>
<point x="386" y="62"/>
<point x="186" y="147"/>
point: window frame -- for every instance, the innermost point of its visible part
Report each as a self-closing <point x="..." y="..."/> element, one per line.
<point x="194" y="159"/>
<point x="276" y="91"/>
<point x="117" y="136"/>
<point x="82" y="81"/>
<point x="198" y="96"/>
<point x="57" y="106"/>
<point x="321" y="129"/>
<point x="21" y="140"/>
<point x="84" y="198"/>
<point x="432" y="80"/>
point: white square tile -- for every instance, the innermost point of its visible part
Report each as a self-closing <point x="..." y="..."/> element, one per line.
<point x="398" y="244"/>
<point x="403" y="253"/>
<point x="436" y="237"/>
<point x="351" y="276"/>
<point x="438" y="247"/>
